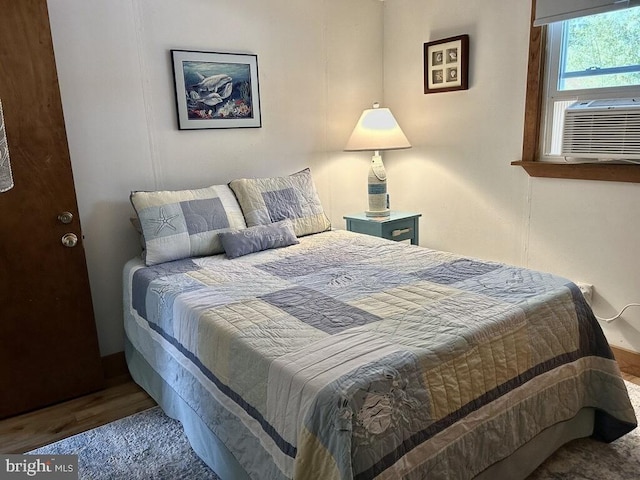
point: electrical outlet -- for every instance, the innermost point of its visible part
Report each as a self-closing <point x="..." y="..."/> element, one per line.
<point x="587" y="291"/>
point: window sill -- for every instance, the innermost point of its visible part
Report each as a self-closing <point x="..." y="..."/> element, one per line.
<point x="582" y="171"/>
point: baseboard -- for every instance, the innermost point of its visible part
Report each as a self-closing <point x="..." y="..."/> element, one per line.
<point x="628" y="361"/>
<point x="114" y="366"/>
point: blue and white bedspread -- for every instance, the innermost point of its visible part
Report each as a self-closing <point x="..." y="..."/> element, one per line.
<point x="348" y="356"/>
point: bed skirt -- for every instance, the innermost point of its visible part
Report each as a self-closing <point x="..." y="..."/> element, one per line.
<point x="203" y="441"/>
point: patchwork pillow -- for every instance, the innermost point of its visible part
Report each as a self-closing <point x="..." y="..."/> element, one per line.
<point x="255" y="239"/>
<point x="185" y="223"/>
<point x="269" y="200"/>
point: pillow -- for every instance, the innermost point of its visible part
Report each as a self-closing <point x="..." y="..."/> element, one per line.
<point x="185" y="223"/>
<point x="269" y="200"/>
<point x="255" y="239"/>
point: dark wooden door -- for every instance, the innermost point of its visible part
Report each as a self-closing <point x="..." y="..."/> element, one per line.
<point x="48" y="343"/>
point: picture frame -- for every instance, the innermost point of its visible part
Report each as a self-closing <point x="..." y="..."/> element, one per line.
<point x="446" y="64"/>
<point x="216" y="90"/>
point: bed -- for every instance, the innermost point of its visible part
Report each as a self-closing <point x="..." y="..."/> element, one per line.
<point x="337" y="355"/>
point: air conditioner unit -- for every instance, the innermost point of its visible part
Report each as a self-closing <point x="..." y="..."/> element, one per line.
<point x="602" y="129"/>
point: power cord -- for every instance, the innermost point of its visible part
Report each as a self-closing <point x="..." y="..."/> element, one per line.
<point x="608" y="320"/>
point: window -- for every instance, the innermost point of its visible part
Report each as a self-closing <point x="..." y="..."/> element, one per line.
<point x="593" y="57"/>
<point x="589" y="58"/>
<point x="599" y="51"/>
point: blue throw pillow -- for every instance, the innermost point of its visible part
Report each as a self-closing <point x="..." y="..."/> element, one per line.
<point x="260" y="237"/>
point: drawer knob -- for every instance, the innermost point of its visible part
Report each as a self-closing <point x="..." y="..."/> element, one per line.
<point x="400" y="231"/>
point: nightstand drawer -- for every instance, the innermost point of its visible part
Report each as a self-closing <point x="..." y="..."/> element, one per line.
<point x="404" y="230"/>
<point x="397" y="226"/>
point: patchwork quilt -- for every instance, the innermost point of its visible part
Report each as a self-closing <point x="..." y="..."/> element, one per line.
<point x="352" y="357"/>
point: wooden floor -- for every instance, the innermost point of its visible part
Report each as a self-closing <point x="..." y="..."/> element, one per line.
<point x="631" y="378"/>
<point x="121" y="398"/>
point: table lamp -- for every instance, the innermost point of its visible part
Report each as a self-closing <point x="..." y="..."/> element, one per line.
<point x="377" y="130"/>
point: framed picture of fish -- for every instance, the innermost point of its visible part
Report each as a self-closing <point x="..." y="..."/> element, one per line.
<point x="216" y="90"/>
<point x="446" y="64"/>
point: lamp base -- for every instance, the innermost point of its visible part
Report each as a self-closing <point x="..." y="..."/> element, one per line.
<point x="378" y="213"/>
<point x="377" y="189"/>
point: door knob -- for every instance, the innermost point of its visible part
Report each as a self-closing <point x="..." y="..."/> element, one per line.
<point x="69" y="240"/>
<point x="65" y="217"/>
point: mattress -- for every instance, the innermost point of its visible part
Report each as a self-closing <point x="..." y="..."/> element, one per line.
<point x="352" y="357"/>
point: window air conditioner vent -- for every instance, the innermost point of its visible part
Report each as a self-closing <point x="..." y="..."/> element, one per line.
<point x="602" y="129"/>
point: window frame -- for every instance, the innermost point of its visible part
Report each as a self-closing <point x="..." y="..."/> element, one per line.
<point x="532" y="132"/>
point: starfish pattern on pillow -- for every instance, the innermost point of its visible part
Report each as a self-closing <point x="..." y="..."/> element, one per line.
<point x="163" y="221"/>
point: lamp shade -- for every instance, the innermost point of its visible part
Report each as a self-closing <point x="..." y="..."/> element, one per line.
<point x="377" y="129"/>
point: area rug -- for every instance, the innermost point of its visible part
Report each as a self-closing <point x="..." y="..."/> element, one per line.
<point x="150" y="445"/>
<point x="146" y="445"/>
<point x="586" y="459"/>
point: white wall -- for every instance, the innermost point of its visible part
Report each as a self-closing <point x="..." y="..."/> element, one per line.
<point x="590" y="231"/>
<point x="319" y="63"/>
<point x="458" y="173"/>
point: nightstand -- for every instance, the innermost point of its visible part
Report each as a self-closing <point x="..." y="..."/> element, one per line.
<point x="397" y="226"/>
